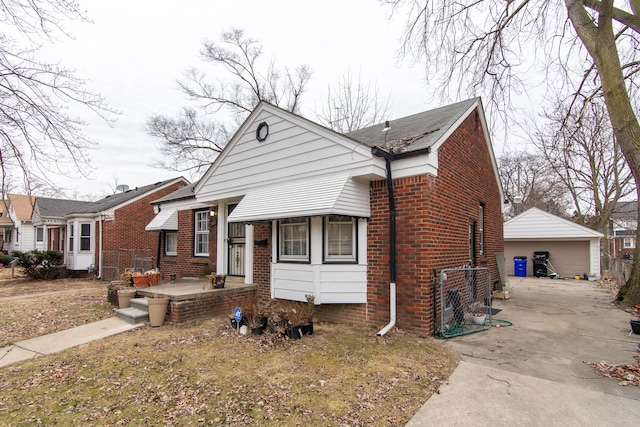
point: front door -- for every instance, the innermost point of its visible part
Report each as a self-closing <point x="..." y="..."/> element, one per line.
<point x="236" y="243"/>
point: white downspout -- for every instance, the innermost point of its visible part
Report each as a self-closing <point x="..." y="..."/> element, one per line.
<point x="100" y="247"/>
<point x="392" y="310"/>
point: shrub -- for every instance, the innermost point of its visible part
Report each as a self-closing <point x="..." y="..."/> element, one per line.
<point x="5" y="259"/>
<point x="40" y="265"/>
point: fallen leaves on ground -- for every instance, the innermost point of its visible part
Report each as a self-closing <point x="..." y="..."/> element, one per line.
<point x="45" y="309"/>
<point x="204" y="373"/>
<point x="627" y="374"/>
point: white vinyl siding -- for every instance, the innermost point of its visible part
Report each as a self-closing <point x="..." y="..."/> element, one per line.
<point x="329" y="194"/>
<point x="330" y="283"/>
<point x="295" y="149"/>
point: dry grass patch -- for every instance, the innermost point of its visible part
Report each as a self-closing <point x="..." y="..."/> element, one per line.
<point x="32" y="308"/>
<point x="203" y="373"/>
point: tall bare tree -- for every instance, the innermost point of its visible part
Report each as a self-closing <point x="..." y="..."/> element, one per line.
<point x="528" y="182"/>
<point x="38" y="138"/>
<point x="486" y="44"/>
<point x="352" y="104"/>
<point x="584" y="156"/>
<point x="190" y="140"/>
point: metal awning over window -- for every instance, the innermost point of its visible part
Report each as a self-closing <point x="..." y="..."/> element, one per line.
<point x="165" y="220"/>
<point x="326" y="195"/>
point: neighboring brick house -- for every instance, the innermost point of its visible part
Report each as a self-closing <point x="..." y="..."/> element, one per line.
<point x="87" y="231"/>
<point x="622" y="230"/>
<point x="299" y="209"/>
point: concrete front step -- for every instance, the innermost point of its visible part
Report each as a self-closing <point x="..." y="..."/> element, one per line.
<point x="137" y="313"/>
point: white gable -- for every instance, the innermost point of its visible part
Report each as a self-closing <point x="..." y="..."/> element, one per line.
<point x="537" y="224"/>
<point x="294" y="149"/>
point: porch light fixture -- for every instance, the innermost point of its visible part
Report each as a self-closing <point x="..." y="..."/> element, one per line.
<point x="213" y="218"/>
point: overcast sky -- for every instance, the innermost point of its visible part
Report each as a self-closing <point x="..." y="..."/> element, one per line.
<point x="134" y="51"/>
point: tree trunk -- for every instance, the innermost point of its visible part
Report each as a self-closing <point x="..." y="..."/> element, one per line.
<point x="601" y="45"/>
<point x="629" y="294"/>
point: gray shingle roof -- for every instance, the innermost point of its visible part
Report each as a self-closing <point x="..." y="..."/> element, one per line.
<point x="119" y="198"/>
<point x="625" y="210"/>
<point x="58" y="208"/>
<point x="415" y="132"/>
<point x="182" y="193"/>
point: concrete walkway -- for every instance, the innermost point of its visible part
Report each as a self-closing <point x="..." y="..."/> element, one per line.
<point x="533" y="372"/>
<point x="58" y="341"/>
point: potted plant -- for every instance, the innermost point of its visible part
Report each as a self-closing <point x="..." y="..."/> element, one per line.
<point x="307" y="314"/>
<point x="140" y="280"/>
<point x="295" y="320"/>
<point x="478" y="313"/>
<point x="157" y="309"/>
<point x="124" y="291"/>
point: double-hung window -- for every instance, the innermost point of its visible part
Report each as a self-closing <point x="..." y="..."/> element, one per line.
<point x="71" y="235"/>
<point x="201" y="236"/>
<point x="340" y="239"/>
<point x="294" y="239"/>
<point x="85" y="236"/>
<point x="39" y="234"/>
<point x="629" y="243"/>
<point x="481" y="228"/>
<point x="171" y="243"/>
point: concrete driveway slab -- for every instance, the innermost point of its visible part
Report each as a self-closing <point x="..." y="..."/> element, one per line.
<point x="534" y="372"/>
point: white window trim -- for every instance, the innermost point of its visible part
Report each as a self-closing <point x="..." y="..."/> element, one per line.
<point x="354" y="242"/>
<point x="294" y="258"/>
<point x="166" y="245"/>
<point x="196" y="232"/>
<point x="41" y="240"/>
<point x="481" y="228"/>
<point x="71" y="238"/>
<point x="81" y="237"/>
<point x="631" y="243"/>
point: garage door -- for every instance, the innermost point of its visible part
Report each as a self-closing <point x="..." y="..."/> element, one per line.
<point x="569" y="258"/>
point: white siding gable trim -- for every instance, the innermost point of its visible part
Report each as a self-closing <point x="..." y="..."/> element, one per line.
<point x="326" y="195"/>
<point x="537" y="224"/>
<point x="295" y="149"/>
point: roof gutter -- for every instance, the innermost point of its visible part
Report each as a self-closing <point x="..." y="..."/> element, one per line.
<point x="388" y="157"/>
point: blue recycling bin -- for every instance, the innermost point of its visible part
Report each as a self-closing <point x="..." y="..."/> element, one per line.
<point x="520" y="266"/>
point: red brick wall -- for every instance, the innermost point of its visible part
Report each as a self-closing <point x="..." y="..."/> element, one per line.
<point x="432" y="223"/>
<point x="262" y="261"/>
<point x="185" y="264"/>
<point x="127" y="229"/>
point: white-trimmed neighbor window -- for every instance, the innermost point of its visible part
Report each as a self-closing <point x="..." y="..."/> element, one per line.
<point x="629" y="242"/>
<point x="39" y="234"/>
<point x="340" y="239"/>
<point x="85" y="236"/>
<point x="171" y="243"/>
<point x="201" y="236"/>
<point x="481" y="228"/>
<point x="294" y="239"/>
<point x="71" y="235"/>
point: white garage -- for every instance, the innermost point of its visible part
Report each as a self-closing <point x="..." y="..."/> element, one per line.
<point x="573" y="250"/>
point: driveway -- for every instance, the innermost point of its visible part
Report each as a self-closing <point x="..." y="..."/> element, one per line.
<point x="533" y="372"/>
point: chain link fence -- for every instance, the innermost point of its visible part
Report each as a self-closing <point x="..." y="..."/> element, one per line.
<point x="465" y="301"/>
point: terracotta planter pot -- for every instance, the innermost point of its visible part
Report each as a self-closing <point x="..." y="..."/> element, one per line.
<point x="157" y="310"/>
<point x="140" y="280"/>
<point x="125" y="296"/>
<point x="154" y="279"/>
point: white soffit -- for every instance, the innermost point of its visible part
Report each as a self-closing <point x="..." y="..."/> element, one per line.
<point x="325" y="195"/>
<point x="166" y="220"/>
